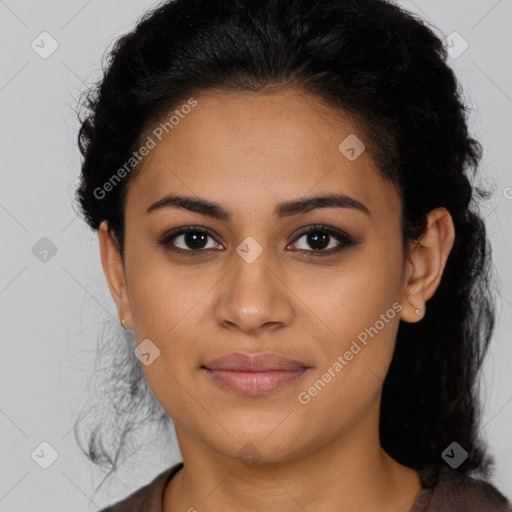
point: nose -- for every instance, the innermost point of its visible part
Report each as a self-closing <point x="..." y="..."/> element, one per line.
<point x="254" y="295"/>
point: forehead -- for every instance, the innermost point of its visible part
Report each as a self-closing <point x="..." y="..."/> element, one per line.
<point x="251" y="150"/>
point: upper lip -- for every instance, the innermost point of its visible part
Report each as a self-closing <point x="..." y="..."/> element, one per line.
<point x="262" y="361"/>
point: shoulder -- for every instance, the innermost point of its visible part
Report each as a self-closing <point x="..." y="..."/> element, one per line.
<point x="148" y="496"/>
<point x="454" y="492"/>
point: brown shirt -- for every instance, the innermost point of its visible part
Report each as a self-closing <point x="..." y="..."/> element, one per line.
<point x="452" y="493"/>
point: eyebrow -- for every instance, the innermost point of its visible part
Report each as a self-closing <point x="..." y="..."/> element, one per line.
<point x="285" y="209"/>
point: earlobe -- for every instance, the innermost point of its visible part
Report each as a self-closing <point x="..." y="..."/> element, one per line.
<point x="426" y="264"/>
<point x="114" y="272"/>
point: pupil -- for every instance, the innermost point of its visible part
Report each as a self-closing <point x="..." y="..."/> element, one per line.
<point x="314" y="239"/>
<point x="195" y="240"/>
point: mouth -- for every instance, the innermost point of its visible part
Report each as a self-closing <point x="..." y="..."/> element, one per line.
<point x="255" y="374"/>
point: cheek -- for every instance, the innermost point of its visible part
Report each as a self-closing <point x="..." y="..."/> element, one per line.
<point x="354" y="361"/>
<point x="163" y="296"/>
<point x="165" y="304"/>
<point x="346" y="299"/>
<point x="356" y="311"/>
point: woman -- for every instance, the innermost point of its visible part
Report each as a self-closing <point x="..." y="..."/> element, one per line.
<point x="286" y="221"/>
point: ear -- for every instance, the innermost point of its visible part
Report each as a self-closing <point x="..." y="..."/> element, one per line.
<point x="426" y="263"/>
<point x="114" y="273"/>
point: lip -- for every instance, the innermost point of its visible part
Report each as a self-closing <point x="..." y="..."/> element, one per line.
<point x="259" y="362"/>
<point x="254" y="374"/>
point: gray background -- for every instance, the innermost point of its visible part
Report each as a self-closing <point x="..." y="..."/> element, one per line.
<point x="50" y="310"/>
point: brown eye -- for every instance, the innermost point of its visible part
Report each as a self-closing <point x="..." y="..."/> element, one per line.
<point x="189" y="239"/>
<point x="323" y="240"/>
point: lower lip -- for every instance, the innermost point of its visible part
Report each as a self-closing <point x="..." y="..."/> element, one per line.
<point x="254" y="383"/>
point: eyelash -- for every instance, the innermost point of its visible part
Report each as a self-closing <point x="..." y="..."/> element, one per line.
<point x="344" y="239"/>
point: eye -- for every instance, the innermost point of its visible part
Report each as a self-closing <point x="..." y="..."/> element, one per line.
<point x="192" y="239"/>
<point x="323" y="240"/>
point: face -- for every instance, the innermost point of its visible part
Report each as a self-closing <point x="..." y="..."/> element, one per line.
<point x="251" y="279"/>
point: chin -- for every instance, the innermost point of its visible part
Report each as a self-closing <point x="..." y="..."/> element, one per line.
<point x="257" y="447"/>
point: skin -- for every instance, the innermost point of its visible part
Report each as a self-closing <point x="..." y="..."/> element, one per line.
<point x="250" y="152"/>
